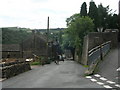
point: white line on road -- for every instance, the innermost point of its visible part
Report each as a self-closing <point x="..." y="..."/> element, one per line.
<point x="97" y="75"/>
<point x="102" y="78"/>
<point x="110" y="82"/>
<point x="107" y="86"/>
<point x="88" y="77"/>
<point x="2" y="79"/>
<point x="94" y="80"/>
<point x="118" y="69"/>
<point x="100" y="83"/>
<point x="117" y="85"/>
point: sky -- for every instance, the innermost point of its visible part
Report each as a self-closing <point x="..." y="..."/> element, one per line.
<point x="33" y="13"/>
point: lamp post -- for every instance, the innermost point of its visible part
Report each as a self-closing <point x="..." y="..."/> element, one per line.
<point x="100" y="29"/>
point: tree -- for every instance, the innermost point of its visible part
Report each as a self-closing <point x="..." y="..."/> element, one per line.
<point x="72" y="18"/>
<point x="113" y="22"/>
<point x="83" y="11"/>
<point x="77" y="30"/>
<point x="107" y="18"/>
<point x="93" y="13"/>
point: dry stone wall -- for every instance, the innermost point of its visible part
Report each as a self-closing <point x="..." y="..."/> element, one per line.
<point x="11" y="69"/>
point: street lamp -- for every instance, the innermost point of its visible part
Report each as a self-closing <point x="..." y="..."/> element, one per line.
<point x="100" y="29"/>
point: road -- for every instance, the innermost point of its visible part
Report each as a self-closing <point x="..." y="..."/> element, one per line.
<point x="109" y="66"/>
<point x="67" y="74"/>
<point x="107" y="71"/>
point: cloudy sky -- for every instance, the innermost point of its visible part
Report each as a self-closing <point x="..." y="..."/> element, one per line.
<point x="33" y="13"/>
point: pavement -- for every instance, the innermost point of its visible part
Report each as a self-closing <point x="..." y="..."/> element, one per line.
<point x="67" y="74"/>
<point x="108" y="67"/>
<point x="108" y="71"/>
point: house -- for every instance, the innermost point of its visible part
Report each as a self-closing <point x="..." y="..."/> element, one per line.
<point x="10" y="50"/>
<point x="36" y="44"/>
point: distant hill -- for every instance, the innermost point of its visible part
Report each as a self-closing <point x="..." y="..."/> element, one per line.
<point x="17" y="28"/>
<point x="52" y="30"/>
<point x="14" y="35"/>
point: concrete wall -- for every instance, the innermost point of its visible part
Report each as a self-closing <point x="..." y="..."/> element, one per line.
<point x="94" y="39"/>
<point x="85" y="50"/>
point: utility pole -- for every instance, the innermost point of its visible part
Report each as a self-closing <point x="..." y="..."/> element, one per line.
<point x="22" y="49"/>
<point x="47" y="38"/>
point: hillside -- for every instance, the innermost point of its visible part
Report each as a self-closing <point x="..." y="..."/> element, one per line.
<point x="14" y="35"/>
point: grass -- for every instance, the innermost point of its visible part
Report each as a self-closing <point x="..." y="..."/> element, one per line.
<point x="36" y="63"/>
<point x="86" y="66"/>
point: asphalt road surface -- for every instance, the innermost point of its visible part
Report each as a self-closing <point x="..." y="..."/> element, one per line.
<point x="67" y="74"/>
<point x="107" y="74"/>
<point x="108" y="68"/>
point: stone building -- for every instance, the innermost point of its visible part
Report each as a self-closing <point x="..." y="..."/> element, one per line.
<point x="36" y="44"/>
<point x="10" y="50"/>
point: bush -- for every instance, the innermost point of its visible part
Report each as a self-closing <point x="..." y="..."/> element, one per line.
<point x="48" y="61"/>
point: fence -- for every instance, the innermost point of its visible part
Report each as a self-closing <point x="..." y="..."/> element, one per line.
<point x="98" y="52"/>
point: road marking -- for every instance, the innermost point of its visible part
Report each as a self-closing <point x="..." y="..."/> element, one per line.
<point x="2" y="79"/>
<point x="100" y="83"/>
<point x="97" y="75"/>
<point x="110" y="82"/>
<point x="94" y="80"/>
<point x="118" y="69"/>
<point x="102" y="78"/>
<point x="117" y="78"/>
<point x="117" y="85"/>
<point x="107" y="86"/>
<point x="88" y="77"/>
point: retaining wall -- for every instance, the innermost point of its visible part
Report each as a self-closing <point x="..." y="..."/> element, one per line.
<point x="11" y="69"/>
<point x="95" y="39"/>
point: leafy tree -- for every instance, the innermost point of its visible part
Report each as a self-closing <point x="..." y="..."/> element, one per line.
<point x="112" y="22"/>
<point x="102" y="15"/>
<point x="76" y="31"/>
<point x="93" y="13"/>
<point x="72" y="19"/>
<point x="107" y="18"/>
<point x="83" y="11"/>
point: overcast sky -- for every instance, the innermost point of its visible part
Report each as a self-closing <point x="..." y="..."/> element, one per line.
<point x="33" y="13"/>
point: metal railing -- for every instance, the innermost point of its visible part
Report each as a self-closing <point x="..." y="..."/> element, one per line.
<point x="98" y="52"/>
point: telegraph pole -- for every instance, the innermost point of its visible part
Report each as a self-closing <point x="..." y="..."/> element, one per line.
<point x="47" y="38"/>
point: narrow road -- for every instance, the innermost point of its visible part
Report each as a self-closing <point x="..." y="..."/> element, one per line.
<point x="68" y="74"/>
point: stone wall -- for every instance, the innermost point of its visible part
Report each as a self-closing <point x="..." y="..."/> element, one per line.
<point x="95" y="39"/>
<point x="10" y="69"/>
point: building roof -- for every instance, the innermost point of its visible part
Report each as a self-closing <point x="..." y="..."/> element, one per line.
<point x="10" y="47"/>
